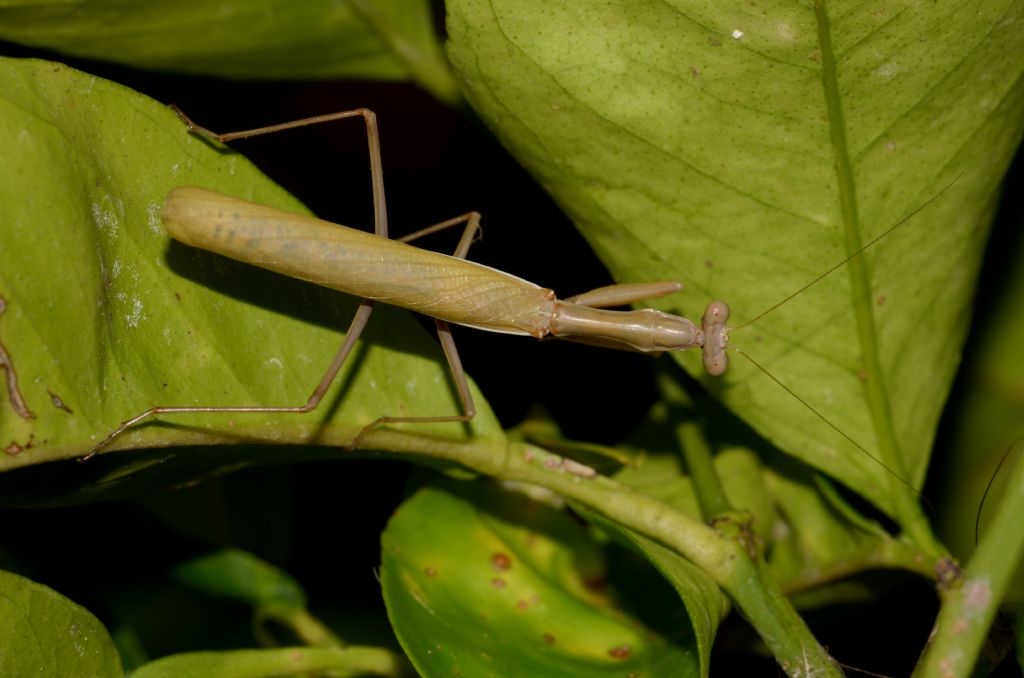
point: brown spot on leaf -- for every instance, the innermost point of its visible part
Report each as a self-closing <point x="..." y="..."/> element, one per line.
<point x="501" y="561"/>
<point x="13" y="393"/>
<point x="58" y="403"/>
<point x="620" y="651"/>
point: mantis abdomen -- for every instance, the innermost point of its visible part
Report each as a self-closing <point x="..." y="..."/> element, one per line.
<point x="358" y="263"/>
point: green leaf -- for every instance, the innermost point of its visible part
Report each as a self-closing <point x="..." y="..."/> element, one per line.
<point x="819" y="539"/>
<point x="106" y="314"/>
<point x="285" y="661"/>
<point x="812" y="537"/>
<point x="745" y="151"/>
<point x="271" y="39"/>
<point x="238" y="575"/>
<point x="42" y="633"/>
<point x="505" y="586"/>
<point x="705" y="603"/>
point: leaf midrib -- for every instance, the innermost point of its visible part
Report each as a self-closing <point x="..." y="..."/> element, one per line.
<point x="876" y="396"/>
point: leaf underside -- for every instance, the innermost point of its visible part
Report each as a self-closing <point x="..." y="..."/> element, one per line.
<point x="697" y="143"/>
<point x="270" y="39"/>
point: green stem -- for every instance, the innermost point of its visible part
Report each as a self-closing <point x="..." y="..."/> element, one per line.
<point x="907" y="509"/>
<point x="285" y="661"/>
<point x="307" y="628"/>
<point x="701" y="466"/>
<point x="967" y="611"/>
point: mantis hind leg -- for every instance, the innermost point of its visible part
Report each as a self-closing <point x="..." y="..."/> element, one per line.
<point x="444" y="333"/>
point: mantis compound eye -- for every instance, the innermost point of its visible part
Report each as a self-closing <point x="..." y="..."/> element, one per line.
<point x="716" y="361"/>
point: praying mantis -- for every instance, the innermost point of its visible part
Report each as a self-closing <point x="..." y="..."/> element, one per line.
<point x="450" y="289"/>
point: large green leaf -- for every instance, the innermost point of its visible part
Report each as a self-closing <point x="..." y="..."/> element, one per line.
<point x="270" y="39"/>
<point x="42" y="633"/>
<point x="745" y="150"/>
<point x="104" y="313"/>
<point x="503" y="586"/>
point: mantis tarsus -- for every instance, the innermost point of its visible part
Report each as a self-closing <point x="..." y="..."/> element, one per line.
<point x="447" y="288"/>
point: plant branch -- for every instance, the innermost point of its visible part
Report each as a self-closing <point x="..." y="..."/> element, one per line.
<point x="968" y="610"/>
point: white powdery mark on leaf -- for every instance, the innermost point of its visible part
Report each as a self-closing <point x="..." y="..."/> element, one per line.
<point x="76" y="644"/>
<point x="889" y="71"/>
<point x="104" y="218"/>
<point x="153" y="218"/>
<point x="115" y="270"/>
<point x="136" y="316"/>
<point x="737" y="34"/>
<point x="276" y="365"/>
